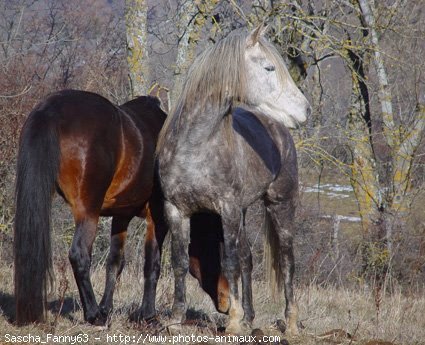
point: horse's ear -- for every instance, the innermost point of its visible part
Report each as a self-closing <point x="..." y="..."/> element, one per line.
<point x="255" y="34"/>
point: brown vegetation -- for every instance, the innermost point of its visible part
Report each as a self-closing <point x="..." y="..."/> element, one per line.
<point x="50" y="45"/>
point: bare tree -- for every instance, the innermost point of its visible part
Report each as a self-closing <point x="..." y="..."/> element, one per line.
<point x="383" y="143"/>
<point x="136" y="19"/>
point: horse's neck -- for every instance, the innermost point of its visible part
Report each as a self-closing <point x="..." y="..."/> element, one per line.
<point x="198" y="125"/>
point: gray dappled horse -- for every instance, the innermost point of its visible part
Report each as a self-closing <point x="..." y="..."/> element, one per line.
<point x="224" y="147"/>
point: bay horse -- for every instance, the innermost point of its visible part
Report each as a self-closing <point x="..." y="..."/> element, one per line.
<point x="100" y="158"/>
<point x="226" y="145"/>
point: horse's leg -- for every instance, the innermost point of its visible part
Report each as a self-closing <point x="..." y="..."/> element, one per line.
<point x="231" y="267"/>
<point x="245" y="258"/>
<point x="115" y="261"/>
<point x="80" y="258"/>
<point x="180" y="236"/>
<point x="155" y="234"/>
<point x="282" y="216"/>
<point x="206" y="239"/>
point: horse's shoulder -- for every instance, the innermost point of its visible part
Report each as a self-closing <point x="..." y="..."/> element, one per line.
<point x="256" y="133"/>
<point x="256" y="122"/>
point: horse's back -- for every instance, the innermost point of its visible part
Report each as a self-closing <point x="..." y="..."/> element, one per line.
<point x="147" y="115"/>
<point x="106" y="164"/>
<point x="141" y="122"/>
<point x="84" y="122"/>
<point x="88" y="130"/>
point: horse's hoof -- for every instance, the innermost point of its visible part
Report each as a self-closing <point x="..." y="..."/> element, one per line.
<point x="234" y="329"/>
<point x="293" y="331"/>
<point x="238" y="328"/>
<point x="98" y="321"/>
<point x="151" y="321"/>
<point x="174" y="327"/>
<point x="256" y="332"/>
<point x="105" y="311"/>
<point x="101" y="327"/>
<point x="281" y="326"/>
<point x="221" y="329"/>
<point x="137" y="316"/>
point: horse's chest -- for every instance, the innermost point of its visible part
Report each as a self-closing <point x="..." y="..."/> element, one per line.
<point x="199" y="179"/>
<point x="209" y="185"/>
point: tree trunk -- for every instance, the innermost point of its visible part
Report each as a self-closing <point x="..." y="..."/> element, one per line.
<point x="193" y="17"/>
<point x="403" y="160"/>
<point x="385" y="96"/>
<point x="403" y="143"/>
<point x="390" y="129"/>
<point x="137" y="53"/>
<point x="186" y="49"/>
<point x="364" y="177"/>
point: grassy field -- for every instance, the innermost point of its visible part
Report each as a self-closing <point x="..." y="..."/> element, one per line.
<point x="327" y="315"/>
<point x="335" y="306"/>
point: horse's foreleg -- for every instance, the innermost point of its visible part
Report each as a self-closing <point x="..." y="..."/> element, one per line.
<point x="180" y="237"/>
<point x="231" y="269"/>
<point x="80" y="258"/>
<point x="115" y="261"/>
<point x="245" y="258"/>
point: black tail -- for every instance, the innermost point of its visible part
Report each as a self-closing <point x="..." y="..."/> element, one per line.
<point x="37" y="170"/>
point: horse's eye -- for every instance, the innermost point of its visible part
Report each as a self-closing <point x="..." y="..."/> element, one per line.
<point x="269" y="68"/>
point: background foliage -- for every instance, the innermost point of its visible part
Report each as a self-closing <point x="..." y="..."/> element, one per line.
<point x="361" y="222"/>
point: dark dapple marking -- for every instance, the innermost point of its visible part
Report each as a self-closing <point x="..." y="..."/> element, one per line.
<point x="224" y="147"/>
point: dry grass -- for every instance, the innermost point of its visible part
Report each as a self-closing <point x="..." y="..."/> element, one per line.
<point x="328" y="315"/>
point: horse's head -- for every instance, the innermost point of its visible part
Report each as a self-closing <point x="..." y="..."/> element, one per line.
<point x="269" y="86"/>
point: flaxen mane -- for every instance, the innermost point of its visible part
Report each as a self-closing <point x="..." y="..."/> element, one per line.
<point x="217" y="80"/>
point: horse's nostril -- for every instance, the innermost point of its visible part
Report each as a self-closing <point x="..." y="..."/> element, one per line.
<point x="308" y="111"/>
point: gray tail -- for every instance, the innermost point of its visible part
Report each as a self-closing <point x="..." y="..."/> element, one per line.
<point x="274" y="271"/>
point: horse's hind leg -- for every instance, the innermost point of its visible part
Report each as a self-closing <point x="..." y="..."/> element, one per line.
<point x="282" y="216"/>
<point x="115" y="261"/>
<point x="80" y="258"/>
<point x="156" y="230"/>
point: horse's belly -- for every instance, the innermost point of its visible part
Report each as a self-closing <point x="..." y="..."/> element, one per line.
<point x="130" y="188"/>
<point x="134" y="196"/>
